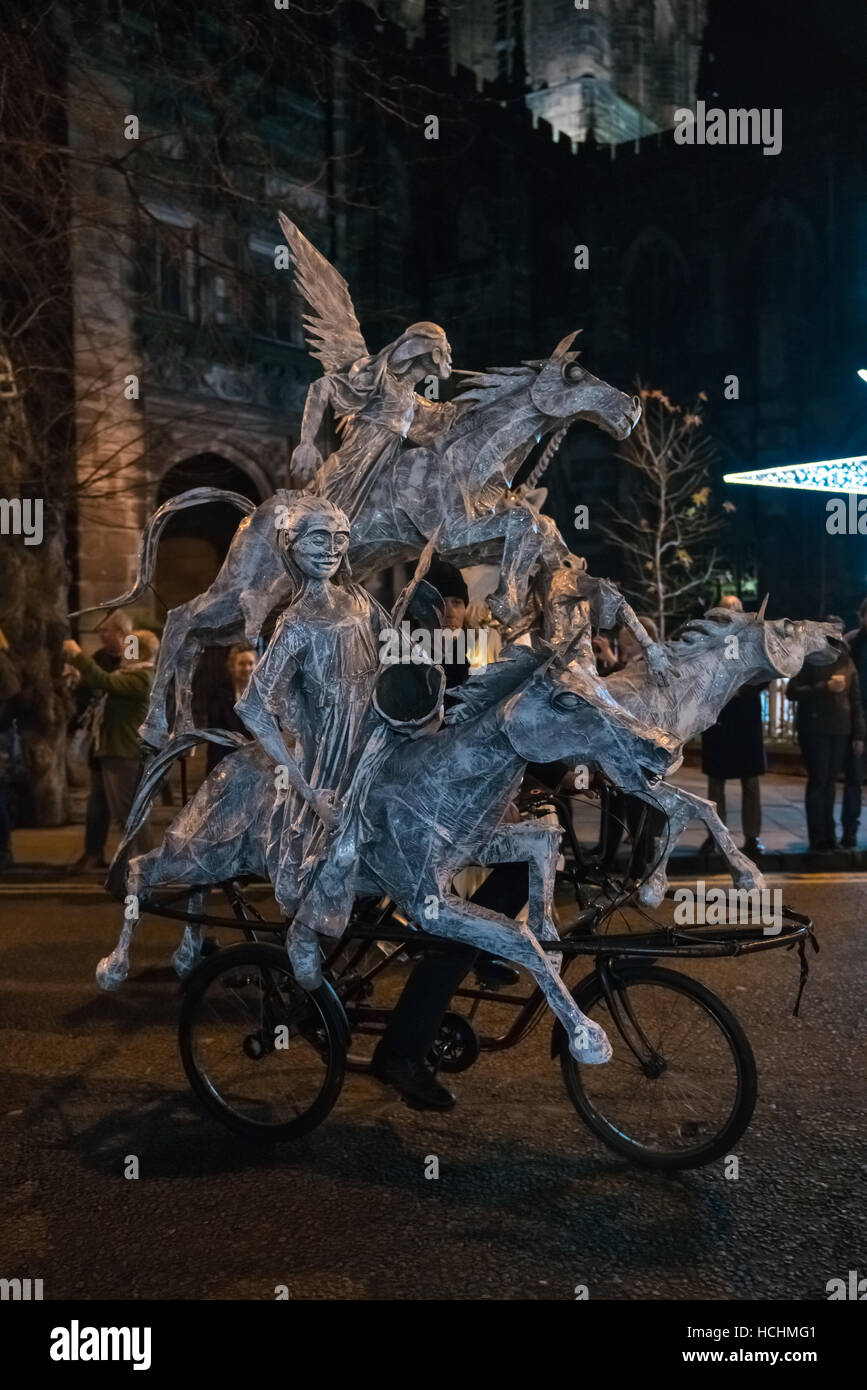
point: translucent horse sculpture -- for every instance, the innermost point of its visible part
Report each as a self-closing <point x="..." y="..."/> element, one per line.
<point x="429" y="812"/>
<point x="709" y="662"/>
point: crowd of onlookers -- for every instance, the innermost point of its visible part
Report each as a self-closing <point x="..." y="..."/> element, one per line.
<point x="109" y="692"/>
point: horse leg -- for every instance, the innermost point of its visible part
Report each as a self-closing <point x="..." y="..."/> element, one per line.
<point x="488" y="931"/>
<point x="155" y="729"/>
<point x="681" y="807"/>
<point x="537" y="845"/>
<point x="160" y="865"/>
<point x="521" y="542"/>
<point x="187" y="954"/>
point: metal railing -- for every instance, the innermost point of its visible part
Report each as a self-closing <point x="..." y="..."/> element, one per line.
<point x="778" y="713"/>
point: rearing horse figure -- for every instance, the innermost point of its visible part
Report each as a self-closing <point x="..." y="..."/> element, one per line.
<point x="420" y="468"/>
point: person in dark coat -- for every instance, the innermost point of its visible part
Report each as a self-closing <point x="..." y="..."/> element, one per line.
<point x="830" y="715"/>
<point x="223" y="695"/>
<point x="89" y="705"/>
<point x="853" y="765"/>
<point x="734" y="747"/>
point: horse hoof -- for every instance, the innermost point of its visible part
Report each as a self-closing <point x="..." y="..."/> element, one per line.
<point x="590" y="1046"/>
<point x="183" y="963"/>
<point x="111" y="972"/>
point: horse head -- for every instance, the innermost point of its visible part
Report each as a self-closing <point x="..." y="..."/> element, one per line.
<point x="566" y="391"/>
<point x="563" y="714"/>
<point x="764" y="648"/>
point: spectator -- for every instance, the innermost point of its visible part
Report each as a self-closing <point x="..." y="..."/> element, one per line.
<point x="117" y="748"/>
<point x="853" y="766"/>
<point x="734" y="747"/>
<point x="220" y="704"/>
<point x="10" y="691"/>
<point x="829" y="715"/>
<point x="90" y="708"/>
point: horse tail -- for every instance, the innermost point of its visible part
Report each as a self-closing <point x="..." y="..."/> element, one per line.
<point x="147" y="550"/>
<point x="154" y="772"/>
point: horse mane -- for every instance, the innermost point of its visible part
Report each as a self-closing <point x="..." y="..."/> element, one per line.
<point x="499" y="679"/>
<point x="703" y="634"/>
<point x="483" y="387"/>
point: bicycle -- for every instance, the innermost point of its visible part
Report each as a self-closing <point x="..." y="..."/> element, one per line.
<point x="268" y="1059"/>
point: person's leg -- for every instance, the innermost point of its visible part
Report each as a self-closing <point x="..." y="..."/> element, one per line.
<point x="716" y="792"/>
<point x="751" y="808"/>
<point x="853" y="772"/>
<point x="836" y="756"/>
<point x="98" y="816"/>
<point x="815" y="760"/>
<point x="414" y="1022"/>
<point x="120" y="777"/>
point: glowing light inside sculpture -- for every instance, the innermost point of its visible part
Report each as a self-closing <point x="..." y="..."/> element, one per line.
<point x="831" y="475"/>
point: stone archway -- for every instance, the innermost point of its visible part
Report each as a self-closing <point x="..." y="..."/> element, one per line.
<point x="195" y="542"/>
<point x="192" y="548"/>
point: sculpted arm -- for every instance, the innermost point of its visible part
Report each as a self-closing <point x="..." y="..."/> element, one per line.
<point x="256" y="710"/>
<point x="306" y="458"/>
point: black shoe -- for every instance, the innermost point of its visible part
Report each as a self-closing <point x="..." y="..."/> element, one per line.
<point x="492" y="973"/>
<point x="414" y="1081"/>
<point x="849" y="842"/>
<point x="753" y="848"/>
<point x="824" y="847"/>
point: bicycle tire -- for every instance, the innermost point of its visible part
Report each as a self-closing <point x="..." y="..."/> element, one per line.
<point x="333" y="1022"/>
<point x="587" y="995"/>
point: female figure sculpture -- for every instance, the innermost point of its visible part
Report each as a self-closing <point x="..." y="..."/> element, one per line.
<point x="314" y="685"/>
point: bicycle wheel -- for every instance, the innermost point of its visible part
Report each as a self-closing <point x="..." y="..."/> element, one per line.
<point x="264" y="1056"/>
<point x="680" y="1088"/>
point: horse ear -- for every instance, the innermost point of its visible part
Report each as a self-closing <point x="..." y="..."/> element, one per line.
<point x="760" y="616"/>
<point x="564" y="344"/>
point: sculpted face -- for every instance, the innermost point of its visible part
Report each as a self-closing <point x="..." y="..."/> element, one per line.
<point x="319" y="549"/>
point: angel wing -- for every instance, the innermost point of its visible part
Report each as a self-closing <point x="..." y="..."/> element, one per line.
<point x="333" y="332"/>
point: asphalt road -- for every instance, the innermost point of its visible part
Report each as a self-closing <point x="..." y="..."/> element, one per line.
<point x="527" y="1203"/>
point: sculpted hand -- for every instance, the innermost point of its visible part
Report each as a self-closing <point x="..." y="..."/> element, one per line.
<point x="323" y="804"/>
<point x="658" y="664"/>
<point x="305" y="463"/>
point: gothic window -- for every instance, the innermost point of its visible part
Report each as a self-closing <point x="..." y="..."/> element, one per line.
<point x="167" y="257"/>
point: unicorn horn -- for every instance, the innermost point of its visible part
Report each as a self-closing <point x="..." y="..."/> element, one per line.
<point x="760" y="616"/>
